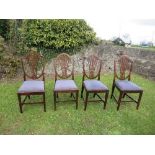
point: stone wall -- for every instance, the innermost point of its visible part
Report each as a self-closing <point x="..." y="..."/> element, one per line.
<point x="9" y="64"/>
<point x="144" y="60"/>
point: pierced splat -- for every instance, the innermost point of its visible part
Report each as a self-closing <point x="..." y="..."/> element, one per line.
<point x="63" y="66"/>
<point x="33" y="65"/>
<point x="92" y="66"/>
<point x="123" y="67"/>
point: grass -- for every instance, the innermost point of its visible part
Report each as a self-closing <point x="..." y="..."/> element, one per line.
<point x="142" y="47"/>
<point x="67" y="120"/>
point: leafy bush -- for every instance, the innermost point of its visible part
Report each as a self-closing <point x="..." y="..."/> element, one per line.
<point x="58" y="34"/>
<point x="4" y="28"/>
<point x="9" y="64"/>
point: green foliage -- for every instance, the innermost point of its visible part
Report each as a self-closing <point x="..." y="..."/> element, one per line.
<point x="58" y="34"/>
<point x="4" y="28"/>
<point x="16" y="36"/>
<point x="9" y="67"/>
<point x="9" y="64"/>
<point x="48" y="36"/>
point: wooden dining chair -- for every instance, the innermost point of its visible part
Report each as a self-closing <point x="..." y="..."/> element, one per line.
<point x="64" y="70"/>
<point x="34" y="80"/>
<point x="122" y="77"/>
<point x="91" y="70"/>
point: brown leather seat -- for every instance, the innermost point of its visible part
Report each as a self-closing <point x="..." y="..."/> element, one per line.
<point x="31" y="86"/>
<point x="126" y="85"/>
<point x="94" y="85"/>
<point x="63" y="85"/>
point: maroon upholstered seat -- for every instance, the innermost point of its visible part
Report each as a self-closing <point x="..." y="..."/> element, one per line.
<point x="31" y="86"/>
<point x="63" y="85"/>
<point x="94" y="85"/>
<point x="126" y="85"/>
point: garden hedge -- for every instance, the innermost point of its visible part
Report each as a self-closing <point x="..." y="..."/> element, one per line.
<point x="57" y="34"/>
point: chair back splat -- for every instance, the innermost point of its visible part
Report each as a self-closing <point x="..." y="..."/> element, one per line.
<point x="33" y="66"/>
<point x="123" y="68"/>
<point x="64" y="67"/>
<point x="91" y="67"/>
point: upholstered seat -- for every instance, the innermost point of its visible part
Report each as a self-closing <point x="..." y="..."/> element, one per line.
<point x="31" y="86"/>
<point x="64" y="85"/>
<point x="94" y="85"/>
<point x="126" y="85"/>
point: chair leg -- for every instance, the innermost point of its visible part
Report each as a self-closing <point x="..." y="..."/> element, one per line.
<point x="86" y="100"/>
<point x="54" y="94"/>
<point x="29" y="97"/>
<point x="20" y="103"/>
<point x="119" y="100"/>
<point x="106" y="98"/>
<point x="57" y="95"/>
<point x="44" y="102"/>
<point x="113" y="88"/>
<point x="82" y="91"/>
<point x="94" y="95"/>
<point x="77" y="94"/>
<point x="139" y="99"/>
<point x="71" y="94"/>
<point x="124" y="95"/>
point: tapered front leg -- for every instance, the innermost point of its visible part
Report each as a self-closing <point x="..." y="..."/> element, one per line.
<point x="20" y="103"/>
<point x="44" y="102"/>
<point x="119" y="100"/>
<point x="113" y="88"/>
<point x="86" y="100"/>
<point x="106" y="98"/>
<point x="54" y="95"/>
<point x="82" y="90"/>
<point x="77" y="95"/>
<point x="139" y="99"/>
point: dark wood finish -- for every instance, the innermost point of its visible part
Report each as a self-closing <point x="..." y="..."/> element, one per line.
<point x="122" y="71"/>
<point x="64" y="69"/>
<point x="33" y="69"/>
<point x="91" y="70"/>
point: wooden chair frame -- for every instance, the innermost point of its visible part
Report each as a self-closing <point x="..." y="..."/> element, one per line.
<point x="125" y="64"/>
<point x="63" y="60"/>
<point x="92" y="62"/>
<point x="32" y="59"/>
